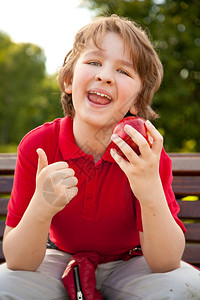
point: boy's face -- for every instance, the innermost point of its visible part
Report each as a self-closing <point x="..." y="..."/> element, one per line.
<point x="104" y="85"/>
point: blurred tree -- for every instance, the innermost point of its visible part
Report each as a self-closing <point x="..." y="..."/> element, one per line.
<point x="174" y="27"/>
<point x="27" y="94"/>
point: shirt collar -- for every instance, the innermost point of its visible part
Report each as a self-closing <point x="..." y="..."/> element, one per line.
<point x="68" y="146"/>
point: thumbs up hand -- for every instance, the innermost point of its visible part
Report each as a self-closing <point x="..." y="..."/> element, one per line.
<point x="55" y="183"/>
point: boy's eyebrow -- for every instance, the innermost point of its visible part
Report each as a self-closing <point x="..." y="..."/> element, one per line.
<point x="93" y="52"/>
<point x="126" y="63"/>
<point x="100" y="53"/>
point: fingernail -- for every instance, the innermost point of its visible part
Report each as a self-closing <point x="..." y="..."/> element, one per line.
<point x="114" y="136"/>
<point x="128" y="127"/>
<point x="112" y="152"/>
<point x="38" y="151"/>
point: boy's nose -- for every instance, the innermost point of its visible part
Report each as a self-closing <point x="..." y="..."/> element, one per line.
<point x="104" y="78"/>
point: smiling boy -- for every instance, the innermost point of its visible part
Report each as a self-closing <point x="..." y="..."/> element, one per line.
<point x="86" y="196"/>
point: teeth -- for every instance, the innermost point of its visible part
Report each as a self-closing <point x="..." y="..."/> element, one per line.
<point x="102" y="95"/>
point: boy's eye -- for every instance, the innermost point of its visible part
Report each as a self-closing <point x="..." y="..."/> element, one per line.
<point x="123" y="72"/>
<point x="94" y="63"/>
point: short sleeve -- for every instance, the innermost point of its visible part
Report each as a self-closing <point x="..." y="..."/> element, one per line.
<point x="45" y="137"/>
<point x="23" y="187"/>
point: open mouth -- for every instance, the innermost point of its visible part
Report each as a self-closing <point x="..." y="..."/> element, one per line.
<point x="99" y="98"/>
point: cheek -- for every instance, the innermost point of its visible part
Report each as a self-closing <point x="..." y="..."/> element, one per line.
<point x="81" y="79"/>
<point x="128" y="94"/>
<point x="130" y="89"/>
<point x="82" y="75"/>
<point x="137" y="89"/>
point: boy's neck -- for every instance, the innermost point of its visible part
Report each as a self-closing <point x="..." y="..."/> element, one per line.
<point x="93" y="141"/>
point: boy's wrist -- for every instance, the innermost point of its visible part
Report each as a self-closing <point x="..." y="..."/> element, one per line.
<point x="42" y="210"/>
<point x="154" y="195"/>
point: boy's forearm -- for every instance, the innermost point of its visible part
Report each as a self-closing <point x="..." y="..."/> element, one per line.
<point x="25" y="245"/>
<point x="162" y="239"/>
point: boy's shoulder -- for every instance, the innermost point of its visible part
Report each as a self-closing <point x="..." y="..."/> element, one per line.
<point x="43" y="132"/>
<point x="44" y="136"/>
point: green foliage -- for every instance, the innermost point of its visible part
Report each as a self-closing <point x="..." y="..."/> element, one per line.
<point x="174" y="27"/>
<point x="8" y="148"/>
<point x="28" y="97"/>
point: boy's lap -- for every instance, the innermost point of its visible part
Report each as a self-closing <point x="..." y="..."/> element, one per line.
<point x="131" y="279"/>
<point x="135" y="279"/>
<point x="25" y="285"/>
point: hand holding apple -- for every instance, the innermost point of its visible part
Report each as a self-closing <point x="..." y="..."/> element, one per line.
<point x="142" y="170"/>
<point x="137" y="123"/>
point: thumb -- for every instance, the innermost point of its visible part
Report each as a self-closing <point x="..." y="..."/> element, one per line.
<point x="42" y="160"/>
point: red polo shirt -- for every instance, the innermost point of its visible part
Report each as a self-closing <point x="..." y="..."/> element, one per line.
<point x="104" y="216"/>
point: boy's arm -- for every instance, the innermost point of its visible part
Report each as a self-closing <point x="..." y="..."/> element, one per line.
<point x="162" y="239"/>
<point x="24" y="246"/>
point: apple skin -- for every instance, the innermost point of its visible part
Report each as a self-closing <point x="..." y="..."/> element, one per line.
<point x="137" y="123"/>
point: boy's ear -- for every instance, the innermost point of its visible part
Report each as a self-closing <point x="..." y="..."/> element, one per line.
<point x="133" y="110"/>
<point x="68" y="87"/>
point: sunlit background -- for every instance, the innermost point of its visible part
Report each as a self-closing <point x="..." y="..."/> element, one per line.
<point x="49" y="24"/>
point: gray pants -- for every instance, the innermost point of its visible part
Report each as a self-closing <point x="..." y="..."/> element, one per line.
<point x="119" y="280"/>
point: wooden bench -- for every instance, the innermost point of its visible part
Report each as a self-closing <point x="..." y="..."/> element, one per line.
<point x="186" y="171"/>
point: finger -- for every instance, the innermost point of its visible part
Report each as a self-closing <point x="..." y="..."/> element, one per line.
<point x="123" y="164"/>
<point x="71" y="192"/>
<point x="62" y="174"/>
<point x="70" y="182"/>
<point x="124" y="147"/>
<point x="42" y="160"/>
<point x="138" y="138"/>
<point x="59" y="195"/>
<point x="66" y="181"/>
<point x="54" y="168"/>
<point x="50" y="183"/>
<point x="157" y="137"/>
<point x="60" y="200"/>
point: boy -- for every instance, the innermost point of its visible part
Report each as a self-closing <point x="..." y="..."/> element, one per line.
<point x="86" y="196"/>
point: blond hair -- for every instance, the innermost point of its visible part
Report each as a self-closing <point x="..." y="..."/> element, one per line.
<point x="144" y="57"/>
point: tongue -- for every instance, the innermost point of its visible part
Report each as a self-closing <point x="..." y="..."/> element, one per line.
<point x="98" y="99"/>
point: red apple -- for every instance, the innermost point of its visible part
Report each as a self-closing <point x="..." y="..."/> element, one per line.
<point x="137" y="123"/>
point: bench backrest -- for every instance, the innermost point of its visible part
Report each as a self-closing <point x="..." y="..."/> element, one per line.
<point x="186" y="172"/>
<point x="186" y="186"/>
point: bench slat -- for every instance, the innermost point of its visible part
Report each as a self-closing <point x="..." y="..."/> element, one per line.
<point x="2" y="227"/>
<point x="186" y="185"/>
<point x="182" y="185"/>
<point x="7" y="162"/>
<point x="3" y="206"/>
<point x="193" y="232"/>
<point x="6" y="184"/>
<point x="2" y="259"/>
<point x="185" y="162"/>
<point x="192" y="254"/>
<point x="189" y="209"/>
